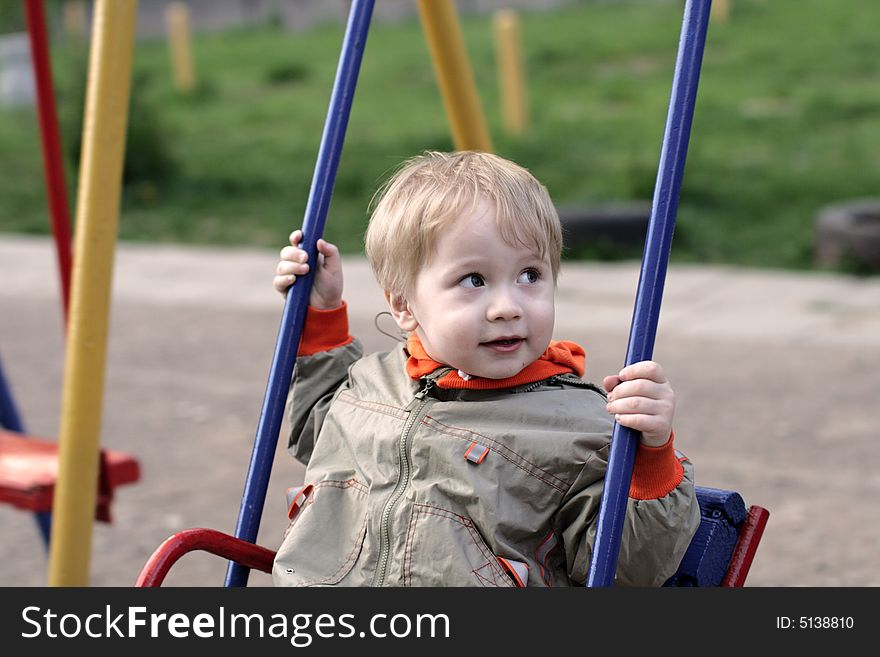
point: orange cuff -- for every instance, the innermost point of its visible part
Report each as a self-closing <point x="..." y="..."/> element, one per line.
<point x="324" y="330"/>
<point x="656" y="472"/>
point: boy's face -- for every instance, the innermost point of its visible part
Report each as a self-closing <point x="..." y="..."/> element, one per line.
<point x="481" y="305"/>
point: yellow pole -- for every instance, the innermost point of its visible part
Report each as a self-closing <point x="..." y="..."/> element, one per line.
<point x="97" y="219"/>
<point x="177" y="24"/>
<point x="720" y="12"/>
<point x="511" y="79"/>
<point x="454" y="75"/>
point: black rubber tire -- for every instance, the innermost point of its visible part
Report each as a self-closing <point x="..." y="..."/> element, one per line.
<point x="848" y="234"/>
<point x="621" y="224"/>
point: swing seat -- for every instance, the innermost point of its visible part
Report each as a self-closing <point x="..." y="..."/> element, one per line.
<point x="29" y="469"/>
<point x="722" y="550"/>
<point x="720" y="554"/>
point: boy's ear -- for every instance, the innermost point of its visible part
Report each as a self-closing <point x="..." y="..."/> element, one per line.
<point x="401" y="312"/>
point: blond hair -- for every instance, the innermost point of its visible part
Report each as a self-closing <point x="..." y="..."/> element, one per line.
<point x="432" y="189"/>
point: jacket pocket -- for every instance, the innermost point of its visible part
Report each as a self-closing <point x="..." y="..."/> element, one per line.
<point x="446" y="549"/>
<point x="325" y="536"/>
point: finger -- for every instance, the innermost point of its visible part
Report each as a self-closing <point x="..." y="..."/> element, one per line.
<point x="639" y="405"/>
<point x="296" y="237"/>
<point x="653" y="434"/>
<point x="641" y="388"/>
<point x="330" y="259"/>
<point x="294" y="254"/>
<point x="646" y="369"/>
<point x="282" y="283"/>
<point x="286" y="268"/>
<point x="327" y="249"/>
<point x="610" y="382"/>
<point x="647" y="424"/>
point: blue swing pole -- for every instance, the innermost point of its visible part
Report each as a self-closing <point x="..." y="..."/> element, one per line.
<point x="9" y="417"/>
<point x="297" y="302"/>
<point x="643" y="330"/>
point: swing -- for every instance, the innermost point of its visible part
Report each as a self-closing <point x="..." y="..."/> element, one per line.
<point x="29" y="468"/>
<point x="721" y="552"/>
<point x="29" y="465"/>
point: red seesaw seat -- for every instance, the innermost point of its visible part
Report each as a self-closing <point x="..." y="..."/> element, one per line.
<point x="29" y="468"/>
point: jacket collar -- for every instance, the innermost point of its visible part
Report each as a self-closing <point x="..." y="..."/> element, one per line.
<point x="561" y="357"/>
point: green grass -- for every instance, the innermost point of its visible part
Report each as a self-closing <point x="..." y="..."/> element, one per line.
<point x="787" y="120"/>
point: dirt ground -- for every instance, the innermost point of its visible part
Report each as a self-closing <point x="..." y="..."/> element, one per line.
<point x="777" y="378"/>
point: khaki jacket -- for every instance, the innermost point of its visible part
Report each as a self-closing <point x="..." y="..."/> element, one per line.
<point x="411" y="485"/>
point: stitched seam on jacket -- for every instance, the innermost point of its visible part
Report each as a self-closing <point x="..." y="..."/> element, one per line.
<point x="503" y="451"/>
<point x="310" y="499"/>
<point x="336" y="483"/>
<point x="377" y="407"/>
<point x="352" y="556"/>
<point x="467" y="523"/>
<point x="474" y="534"/>
<point x="339" y="483"/>
<point x="481" y="578"/>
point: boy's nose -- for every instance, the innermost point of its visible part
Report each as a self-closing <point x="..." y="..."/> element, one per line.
<point x="504" y="307"/>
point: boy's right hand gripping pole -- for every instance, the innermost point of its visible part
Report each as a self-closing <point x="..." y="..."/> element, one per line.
<point x="297" y="302"/>
<point x="625" y="441"/>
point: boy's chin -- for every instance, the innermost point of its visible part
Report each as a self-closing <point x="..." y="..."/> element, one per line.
<point x="497" y="373"/>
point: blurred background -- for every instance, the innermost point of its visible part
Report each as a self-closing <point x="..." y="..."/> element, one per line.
<point x="786" y="119"/>
<point x="771" y="320"/>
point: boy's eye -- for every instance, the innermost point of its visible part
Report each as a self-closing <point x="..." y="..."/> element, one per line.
<point x="529" y="276"/>
<point x="472" y="280"/>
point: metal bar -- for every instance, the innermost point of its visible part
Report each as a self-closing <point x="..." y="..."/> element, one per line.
<point x="53" y="170"/>
<point x="750" y="533"/>
<point x="208" y="540"/>
<point x="50" y="139"/>
<point x="9" y="417"/>
<point x="454" y="75"/>
<point x="511" y="74"/>
<point x="100" y="189"/>
<point x="624" y="441"/>
<point x="297" y="301"/>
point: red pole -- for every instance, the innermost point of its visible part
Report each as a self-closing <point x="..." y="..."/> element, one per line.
<point x="166" y="555"/>
<point x="53" y="162"/>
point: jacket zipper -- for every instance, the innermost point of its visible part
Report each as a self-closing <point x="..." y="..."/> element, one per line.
<point x="416" y="410"/>
<point x="556" y="378"/>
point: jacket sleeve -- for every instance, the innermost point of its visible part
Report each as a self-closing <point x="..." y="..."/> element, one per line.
<point x="326" y="351"/>
<point x="662" y="516"/>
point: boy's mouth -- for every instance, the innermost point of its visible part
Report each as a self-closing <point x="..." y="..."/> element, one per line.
<point x="504" y="345"/>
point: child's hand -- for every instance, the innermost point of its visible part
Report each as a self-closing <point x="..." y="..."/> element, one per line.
<point x="327" y="286"/>
<point x="640" y="398"/>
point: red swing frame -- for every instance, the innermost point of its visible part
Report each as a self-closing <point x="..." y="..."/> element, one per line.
<point x="257" y="557"/>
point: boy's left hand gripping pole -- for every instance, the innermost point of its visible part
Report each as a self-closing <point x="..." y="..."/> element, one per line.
<point x="297" y="302"/>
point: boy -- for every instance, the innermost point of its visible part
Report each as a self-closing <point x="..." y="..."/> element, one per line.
<point x="474" y="454"/>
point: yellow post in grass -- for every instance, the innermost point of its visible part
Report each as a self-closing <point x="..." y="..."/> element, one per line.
<point x="511" y="80"/>
<point x="97" y="219"/>
<point x="177" y="24"/>
<point x="454" y="75"/>
<point x="720" y="12"/>
<point x="74" y="14"/>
